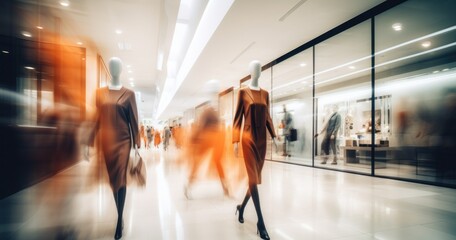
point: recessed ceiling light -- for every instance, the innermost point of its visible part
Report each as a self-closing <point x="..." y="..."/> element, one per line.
<point x="397" y="26"/>
<point x="352" y="67"/>
<point x="39" y="27"/>
<point x="426" y="44"/>
<point x="128" y="66"/>
<point x="436" y="71"/>
<point x="446" y="69"/>
<point x="26" y="34"/>
<point x="29" y="68"/>
<point x="79" y="43"/>
<point x="64" y="3"/>
<point x="118" y="31"/>
<point x="5" y="51"/>
<point x="303" y="82"/>
<point x="130" y="71"/>
<point x="303" y="64"/>
<point x="131" y="79"/>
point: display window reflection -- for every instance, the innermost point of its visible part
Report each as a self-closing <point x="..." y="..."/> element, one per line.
<point x="415" y="46"/>
<point x="292" y="111"/>
<point x="343" y="126"/>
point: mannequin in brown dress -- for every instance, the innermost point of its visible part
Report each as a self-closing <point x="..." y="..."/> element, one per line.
<point x="253" y="107"/>
<point x="117" y="121"/>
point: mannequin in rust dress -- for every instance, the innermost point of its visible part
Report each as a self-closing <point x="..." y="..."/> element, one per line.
<point x="117" y="121"/>
<point x="253" y="107"/>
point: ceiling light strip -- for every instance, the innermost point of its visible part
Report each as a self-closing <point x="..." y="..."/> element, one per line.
<point x="418" y="39"/>
<point x="212" y="16"/>
<point x="289" y="12"/>
<point x="242" y="52"/>
<point x="417" y="54"/>
<point x="380" y="52"/>
<point x="390" y="62"/>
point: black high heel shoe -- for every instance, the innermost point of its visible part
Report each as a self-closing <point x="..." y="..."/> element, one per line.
<point x="241" y="213"/>
<point x="119" y="230"/>
<point x="262" y="231"/>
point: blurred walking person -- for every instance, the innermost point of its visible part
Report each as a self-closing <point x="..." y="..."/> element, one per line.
<point x="166" y="137"/>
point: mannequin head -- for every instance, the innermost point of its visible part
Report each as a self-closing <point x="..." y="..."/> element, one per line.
<point x="255" y="72"/>
<point x="115" y="68"/>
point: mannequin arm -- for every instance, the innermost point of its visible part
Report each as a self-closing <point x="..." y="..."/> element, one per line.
<point x="236" y="149"/>
<point x="85" y="152"/>
<point x="322" y="131"/>
<point x="275" y="144"/>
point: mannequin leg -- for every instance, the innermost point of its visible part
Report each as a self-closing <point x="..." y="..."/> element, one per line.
<point x="325" y="149"/>
<point x="285" y="146"/>
<point x="332" y="143"/>
<point x="120" y="202"/>
<point x="256" y="201"/>
<point x="241" y="207"/>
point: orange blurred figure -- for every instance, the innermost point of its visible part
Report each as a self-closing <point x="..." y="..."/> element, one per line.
<point x="157" y="138"/>
<point x="207" y="139"/>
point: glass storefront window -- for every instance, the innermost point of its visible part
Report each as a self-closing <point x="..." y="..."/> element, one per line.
<point x="292" y="108"/>
<point x="343" y="100"/>
<point x="415" y="45"/>
<point x="396" y="123"/>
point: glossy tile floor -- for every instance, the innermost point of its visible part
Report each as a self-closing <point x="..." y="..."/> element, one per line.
<point x="298" y="203"/>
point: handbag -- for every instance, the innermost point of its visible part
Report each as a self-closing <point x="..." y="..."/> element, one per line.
<point x="138" y="170"/>
<point x="293" y="136"/>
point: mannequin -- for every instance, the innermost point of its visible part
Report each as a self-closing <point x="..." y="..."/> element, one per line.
<point x="255" y="72"/>
<point x="288" y="122"/>
<point x="331" y="130"/>
<point x="117" y="122"/>
<point x="253" y="108"/>
<point x="115" y="68"/>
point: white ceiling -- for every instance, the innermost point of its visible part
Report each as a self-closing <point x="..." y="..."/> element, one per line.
<point x="251" y="30"/>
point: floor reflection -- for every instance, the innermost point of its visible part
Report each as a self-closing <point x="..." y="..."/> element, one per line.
<point x="298" y="203"/>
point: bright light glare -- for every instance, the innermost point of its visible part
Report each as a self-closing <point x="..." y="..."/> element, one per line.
<point x="26" y="34"/>
<point x="426" y="44"/>
<point x="65" y="3"/>
<point x="397" y="27"/>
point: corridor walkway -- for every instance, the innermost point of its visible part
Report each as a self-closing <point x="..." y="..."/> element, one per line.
<point x="298" y="203"/>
